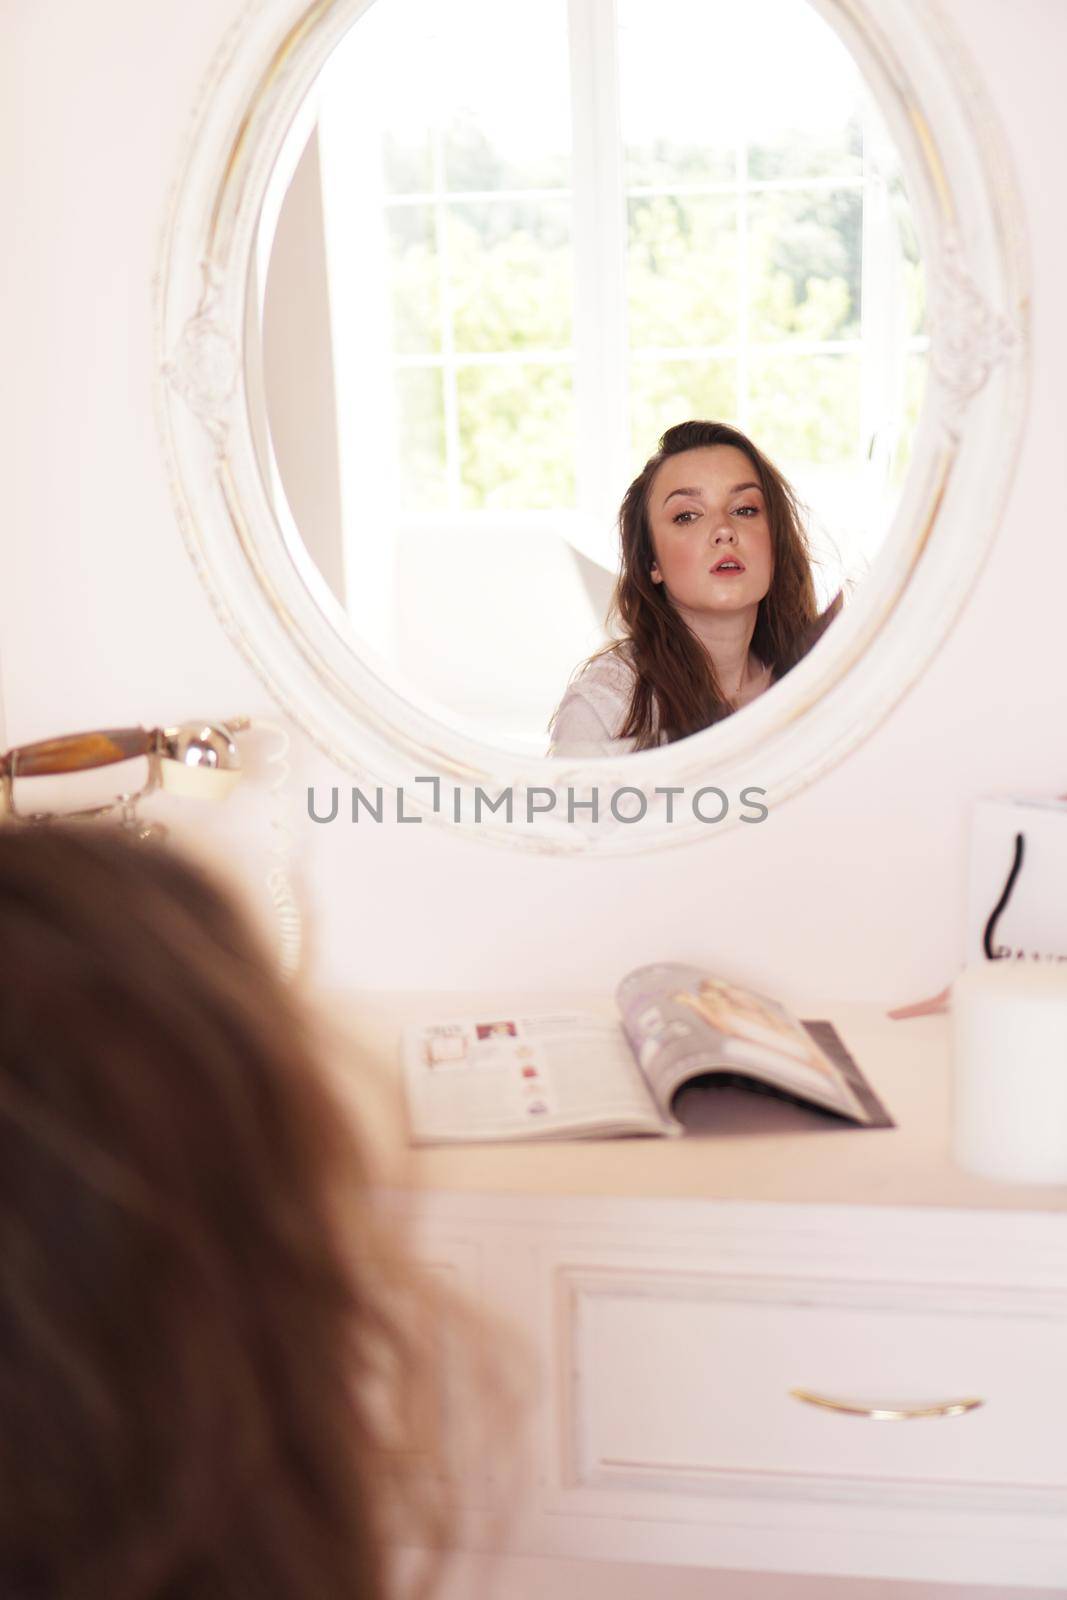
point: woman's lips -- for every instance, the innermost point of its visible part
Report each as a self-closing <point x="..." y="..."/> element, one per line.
<point x="734" y="571"/>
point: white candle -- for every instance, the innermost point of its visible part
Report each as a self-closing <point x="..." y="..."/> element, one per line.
<point x="1009" y="1025"/>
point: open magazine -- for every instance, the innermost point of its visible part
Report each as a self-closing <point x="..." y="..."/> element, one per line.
<point x="568" y="1075"/>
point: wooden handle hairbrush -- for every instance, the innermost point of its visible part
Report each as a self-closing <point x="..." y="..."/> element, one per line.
<point x="77" y="752"/>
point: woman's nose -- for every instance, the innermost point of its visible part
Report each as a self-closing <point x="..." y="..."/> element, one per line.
<point x="726" y="535"/>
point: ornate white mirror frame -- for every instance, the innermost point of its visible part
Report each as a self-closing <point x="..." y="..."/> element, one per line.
<point x="277" y="609"/>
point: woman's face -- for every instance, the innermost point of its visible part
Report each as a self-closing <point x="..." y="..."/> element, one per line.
<point x="710" y="533"/>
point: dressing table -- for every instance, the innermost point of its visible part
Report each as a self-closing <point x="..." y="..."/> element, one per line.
<point x="678" y="1292"/>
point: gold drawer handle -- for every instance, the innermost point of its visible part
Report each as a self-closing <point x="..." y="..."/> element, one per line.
<point x="940" y="1408"/>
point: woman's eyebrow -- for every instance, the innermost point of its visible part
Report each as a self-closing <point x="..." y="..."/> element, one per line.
<point x="699" y="493"/>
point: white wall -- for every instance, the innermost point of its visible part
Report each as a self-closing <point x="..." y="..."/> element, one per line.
<point x="855" y="887"/>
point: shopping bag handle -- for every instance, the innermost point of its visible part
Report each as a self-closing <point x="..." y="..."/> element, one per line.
<point x="1005" y="896"/>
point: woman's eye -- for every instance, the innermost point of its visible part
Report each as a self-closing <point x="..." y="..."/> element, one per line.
<point x="684" y="516"/>
<point x="749" y="511"/>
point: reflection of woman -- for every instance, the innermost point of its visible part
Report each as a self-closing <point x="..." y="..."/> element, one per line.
<point x="714" y="601"/>
<point x="207" y="1385"/>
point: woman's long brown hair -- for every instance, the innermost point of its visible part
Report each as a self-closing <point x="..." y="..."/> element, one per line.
<point x="675" y="690"/>
<point x="199" y="1367"/>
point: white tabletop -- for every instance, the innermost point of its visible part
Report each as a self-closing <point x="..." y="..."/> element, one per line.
<point x="754" y="1148"/>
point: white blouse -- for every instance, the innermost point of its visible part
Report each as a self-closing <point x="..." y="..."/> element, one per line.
<point x="593" y="709"/>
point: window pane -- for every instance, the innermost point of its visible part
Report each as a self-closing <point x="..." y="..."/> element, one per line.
<point x="421" y="439"/>
<point x="803" y="150"/>
<point x="700" y="77"/>
<point x="526" y="158"/>
<point x="806" y="408"/>
<point x="801" y="123"/>
<point x="665" y="392"/>
<point x="914" y="296"/>
<point x="682" y="271"/>
<point x="511" y="273"/>
<point x="806" y="261"/>
<point x="915" y="369"/>
<point x="669" y="134"/>
<point x="516" y="429"/>
<point x="441" y="86"/>
<point x="407" y="159"/>
<point x="414" y="277"/>
<point x="504" y="74"/>
<point x="662" y="161"/>
<point x="377" y="57"/>
<point x="914" y="279"/>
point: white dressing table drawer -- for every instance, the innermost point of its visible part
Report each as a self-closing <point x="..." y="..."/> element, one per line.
<point x="683" y="1382"/>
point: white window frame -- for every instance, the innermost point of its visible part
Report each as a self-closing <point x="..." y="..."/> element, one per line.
<point x="357" y="252"/>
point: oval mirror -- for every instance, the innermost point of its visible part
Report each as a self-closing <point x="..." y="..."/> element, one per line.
<point x="430" y="310"/>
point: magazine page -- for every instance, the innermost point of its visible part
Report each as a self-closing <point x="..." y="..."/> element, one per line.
<point x="535" y="1077"/>
<point x="683" y="1023"/>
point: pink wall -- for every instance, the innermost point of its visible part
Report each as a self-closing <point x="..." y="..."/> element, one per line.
<point x="854" y="888"/>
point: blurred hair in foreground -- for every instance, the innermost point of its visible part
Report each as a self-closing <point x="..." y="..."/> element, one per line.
<point x="220" y="1373"/>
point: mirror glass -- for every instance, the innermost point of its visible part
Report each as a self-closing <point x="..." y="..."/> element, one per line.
<point x="504" y="249"/>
